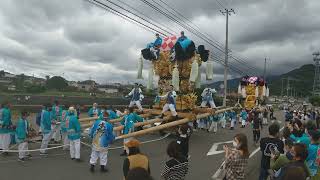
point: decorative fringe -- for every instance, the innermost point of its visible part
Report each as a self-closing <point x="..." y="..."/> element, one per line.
<point x="140" y="67"/>
<point x="150" y="79"/>
<point x="175" y="78"/>
<point x="243" y="92"/>
<point x="209" y="71"/>
<point x="264" y="90"/>
<point x="239" y="89"/>
<point x="257" y="92"/>
<point x="194" y="71"/>
<point x="198" y="81"/>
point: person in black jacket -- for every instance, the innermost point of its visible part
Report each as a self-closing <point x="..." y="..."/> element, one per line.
<point x="256" y="125"/>
<point x="183" y="139"/>
<point x="266" y="145"/>
<point x="176" y="168"/>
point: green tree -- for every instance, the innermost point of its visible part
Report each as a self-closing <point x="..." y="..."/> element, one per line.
<point x="57" y="82"/>
<point x="35" y="89"/>
<point x="2" y="73"/>
<point x="19" y="82"/>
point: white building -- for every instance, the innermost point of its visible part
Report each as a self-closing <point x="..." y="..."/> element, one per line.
<point x="108" y="90"/>
<point x="87" y="85"/>
<point x="73" y="84"/>
<point x="11" y="87"/>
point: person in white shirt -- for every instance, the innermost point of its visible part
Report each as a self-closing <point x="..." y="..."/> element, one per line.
<point x="207" y="97"/>
<point x="171" y="103"/>
<point x="136" y="97"/>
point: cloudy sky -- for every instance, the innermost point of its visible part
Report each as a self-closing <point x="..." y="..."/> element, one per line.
<point x="79" y="40"/>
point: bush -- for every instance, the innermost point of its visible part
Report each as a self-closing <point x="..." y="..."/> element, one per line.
<point x="57" y="82"/>
<point x="35" y="89"/>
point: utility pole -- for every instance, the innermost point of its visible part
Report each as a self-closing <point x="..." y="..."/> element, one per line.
<point x="227" y="13"/>
<point x="265" y="69"/>
<point x="316" y="80"/>
<point x="282" y="87"/>
<point x="288" y="86"/>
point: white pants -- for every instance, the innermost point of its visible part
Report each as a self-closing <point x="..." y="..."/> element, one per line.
<point x="137" y="103"/>
<point x="66" y="141"/>
<point x="264" y="121"/>
<point x="5" y="140"/>
<point x="166" y="107"/>
<point x="233" y="122"/>
<point x="154" y="51"/>
<point x="214" y="126"/>
<point x="45" y="141"/>
<point x="75" y="148"/>
<point x="56" y="132"/>
<point x="204" y="104"/>
<point x="23" y="147"/>
<point x="223" y="123"/>
<point x="103" y="155"/>
<point x="243" y="122"/>
<point x="203" y="123"/>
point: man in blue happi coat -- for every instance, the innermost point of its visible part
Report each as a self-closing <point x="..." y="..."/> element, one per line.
<point x="94" y="111"/>
<point x="101" y="133"/>
<point x="155" y="46"/>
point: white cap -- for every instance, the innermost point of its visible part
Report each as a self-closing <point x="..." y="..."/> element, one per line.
<point x="72" y="109"/>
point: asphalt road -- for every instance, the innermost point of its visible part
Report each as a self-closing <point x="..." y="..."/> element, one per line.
<point x="58" y="166"/>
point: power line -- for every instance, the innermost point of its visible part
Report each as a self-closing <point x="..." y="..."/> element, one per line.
<point x="179" y="23"/>
<point x="138" y="16"/>
<point x="142" y="14"/>
<point x="190" y="22"/>
<point x="219" y="3"/>
<point x="232" y="67"/>
<point x="118" y="13"/>
<point x="190" y="28"/>
<point x="203" y="34"/>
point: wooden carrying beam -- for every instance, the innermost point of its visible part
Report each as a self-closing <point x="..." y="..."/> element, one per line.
<point x="170" y="124"/>
<point x="88" y="124"/>
<point x="147" y="122"/>
<point x="147" y="111"/>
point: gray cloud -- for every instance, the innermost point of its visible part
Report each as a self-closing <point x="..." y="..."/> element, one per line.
<point x="79" y="40"/>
